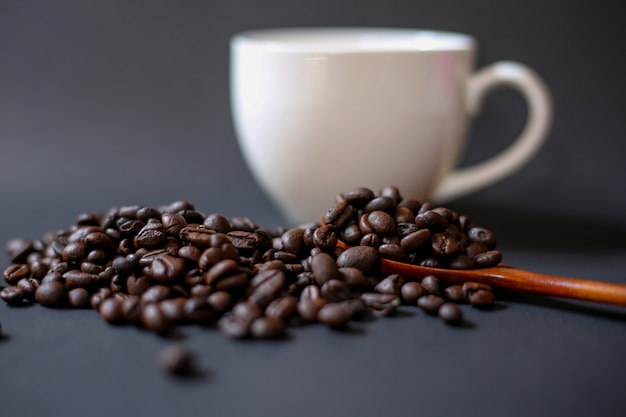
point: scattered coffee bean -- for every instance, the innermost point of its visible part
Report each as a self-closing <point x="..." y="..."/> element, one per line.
<point x="450" y="313"/>
<point x="173" y="265"/>
<point x="177" y="360"/>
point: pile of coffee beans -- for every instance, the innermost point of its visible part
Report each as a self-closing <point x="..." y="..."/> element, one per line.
<point x="158" y="268"/>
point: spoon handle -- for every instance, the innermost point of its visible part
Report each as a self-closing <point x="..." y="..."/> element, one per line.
<point x="518" y="280"/>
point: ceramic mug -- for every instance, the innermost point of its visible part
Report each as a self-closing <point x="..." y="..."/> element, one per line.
<point x="319" y="111"/>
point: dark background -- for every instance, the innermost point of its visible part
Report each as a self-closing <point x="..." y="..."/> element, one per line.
<point x="106" y="103"/>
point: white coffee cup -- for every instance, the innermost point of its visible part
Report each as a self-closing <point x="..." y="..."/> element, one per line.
<point x="319" y="111"/>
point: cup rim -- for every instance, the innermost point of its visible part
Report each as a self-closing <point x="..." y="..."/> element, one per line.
<point x="352" y="40"/>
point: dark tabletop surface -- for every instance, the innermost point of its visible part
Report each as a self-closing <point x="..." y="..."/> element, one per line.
<point x="114" y="103"/>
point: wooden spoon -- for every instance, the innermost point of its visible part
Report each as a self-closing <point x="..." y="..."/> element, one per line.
<point x="515" y="280"/>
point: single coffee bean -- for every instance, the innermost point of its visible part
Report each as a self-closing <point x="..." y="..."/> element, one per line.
<point x="354" y="278"/>
<point x="382" y="223"/>
<point x="335" y="315"/>
<point x="247" y="311"/>
<point x="383" y="203"/>
<point x="173" y="223"/>
<point x="404" y="215"/>
<point x="233" y="326"/>
<point x="79" y="279"/>
<point x="454" y="293"/>
<point x="293" y="240"/>
<point x="324" y="268"/>
<point x="78" y="298"/>
<point x="174" y="309"/>
<point x="390" y="285"/>
<point x="450" y="313"/>
<point x="138" y="285"/>
<point x="74" y="252"/>
<point x="371" y="239"/>
<point x="391" y="251"/>
<point x="153" y="319"/>
<point x="283" y="308"/>
<point x="381" y="304"/>
<point x="311" y="292"/>
<point x="359" y="196"/>
<point x="217" y="222"/>
<point x="267" y="328"/>
<point x="351" y="234"/>
<point x="155" y="294"/>
<point x="481" y="298"/>
<point x="335" y="290"/>
<point x="470" y="287"/>
<point x="265" y="286"/>
<point x="416" y="239"/>
<point x="12" y="295"/>
<point x="411" y="291"/>
<point x="51" y="294"/>
<point x="488" y="259"/>
<point x="111" y="310"/>
<point x="364" y="258"/>
<point x="411" y="203"/>
<point x="167" y="268"/>
<point x="29" y="286"/>
<point x="482" y="235"/>
<point x="150" y="236"/>
<point x="463" y="262"/>
<point x="337" y="216"/>
<point x="325" y="238"/>
<point x="91" y="268"/>
<point x="177" y="360"/>
<point x="308" y="308"/>
<point x="392" y="192"/>
<point x="16" y="272"/>
<point x="430" y="303"/>
<point x="431" y="220"/>
<point x="198" y="310"/>
<point x="220" y="300"/>
<point x="131" y="308"/>
<point x="431" y="284"/>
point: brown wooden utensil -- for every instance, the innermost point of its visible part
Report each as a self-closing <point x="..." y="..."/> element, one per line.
<point x="515" y="280"/>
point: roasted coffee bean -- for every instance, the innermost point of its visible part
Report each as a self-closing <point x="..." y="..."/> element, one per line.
<point x="411" y="203"/>
<point x="430" y="303"/>
<point x="51" y="294"/>
<point x="137" y="285"/>
<point x="12" y="295"/>
<point x="199" y="236"/>
<point x="371" y="239"/>
<point x="80" y="279"/>
<point x="267" y="328"/>
<point x="29" y="286"/>
<point x="381" y="304"/>
<point x="201" y="290"/>
<point x="167" y="268"/>
<point x="335" y="315"/>
<point x="324" y="268"/>
<point x="124" y="265"/>
<point x="311" y="292"/>
<point x="155" y="294"/>
<point x="446" y="244"/>
<point x="174" y="309"/>
<point x="488" y="259"/>
<point x="411" y="291"/>
<point x="78" y="298"/>
<point x="100" y="240"/>
<point x="153" y="319"/>
<point x="99" y="296"/>
<point x="338" y="215"/>
<point x="450" y="313"/>
<point x="146" y="213"/>
<point x="335" y="290"/>
<point x="383" y="203"/>
<point x="431" y="220"/>
<point x="364" y="258"/>
<point x="482" y="235"/>
<point x="293" y="240"/>
<point x="354" y="278"/>
<point x="173" y="223"/>
<point x="390" y="285"/>
<point x="16" y="272"/>
<point x="53" y="276"/>
<point x="233" y="326"/>
<point x="392" y="192"/>
<point x="324" y="238"/>
<point x="247" y="311"/>
<point x="220" y="300"/>
<point x="283" y="308"/>
<point x="246" y="241"/>
<point x="454" y="293"/>
<point x="190" y="253"/>
<point x="150" y="236"/>
<point x="431" y="284"/>
<point x="243" y="223"/>
<point x="91" y="268"/>
<point x="131" y="308"/>
<point x="404" y="215"/>
<point x="391" y="251"/>
<point x="217" y="222"/>
<point x="416" y="239"/>
<point x="462" y="262"/>
<point x="265" y="286"/>
<point x="382" y="223"/>
<point x="177" y="360"/>
<point x="481" y="298"/>
<point x="308" y="308"/>
<point x="220" y="270"/>
<point x="358" y="197"/>
<point x="111" y="310"/>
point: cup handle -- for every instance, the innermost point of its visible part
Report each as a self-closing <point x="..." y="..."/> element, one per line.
<point x="520" y="77"/>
